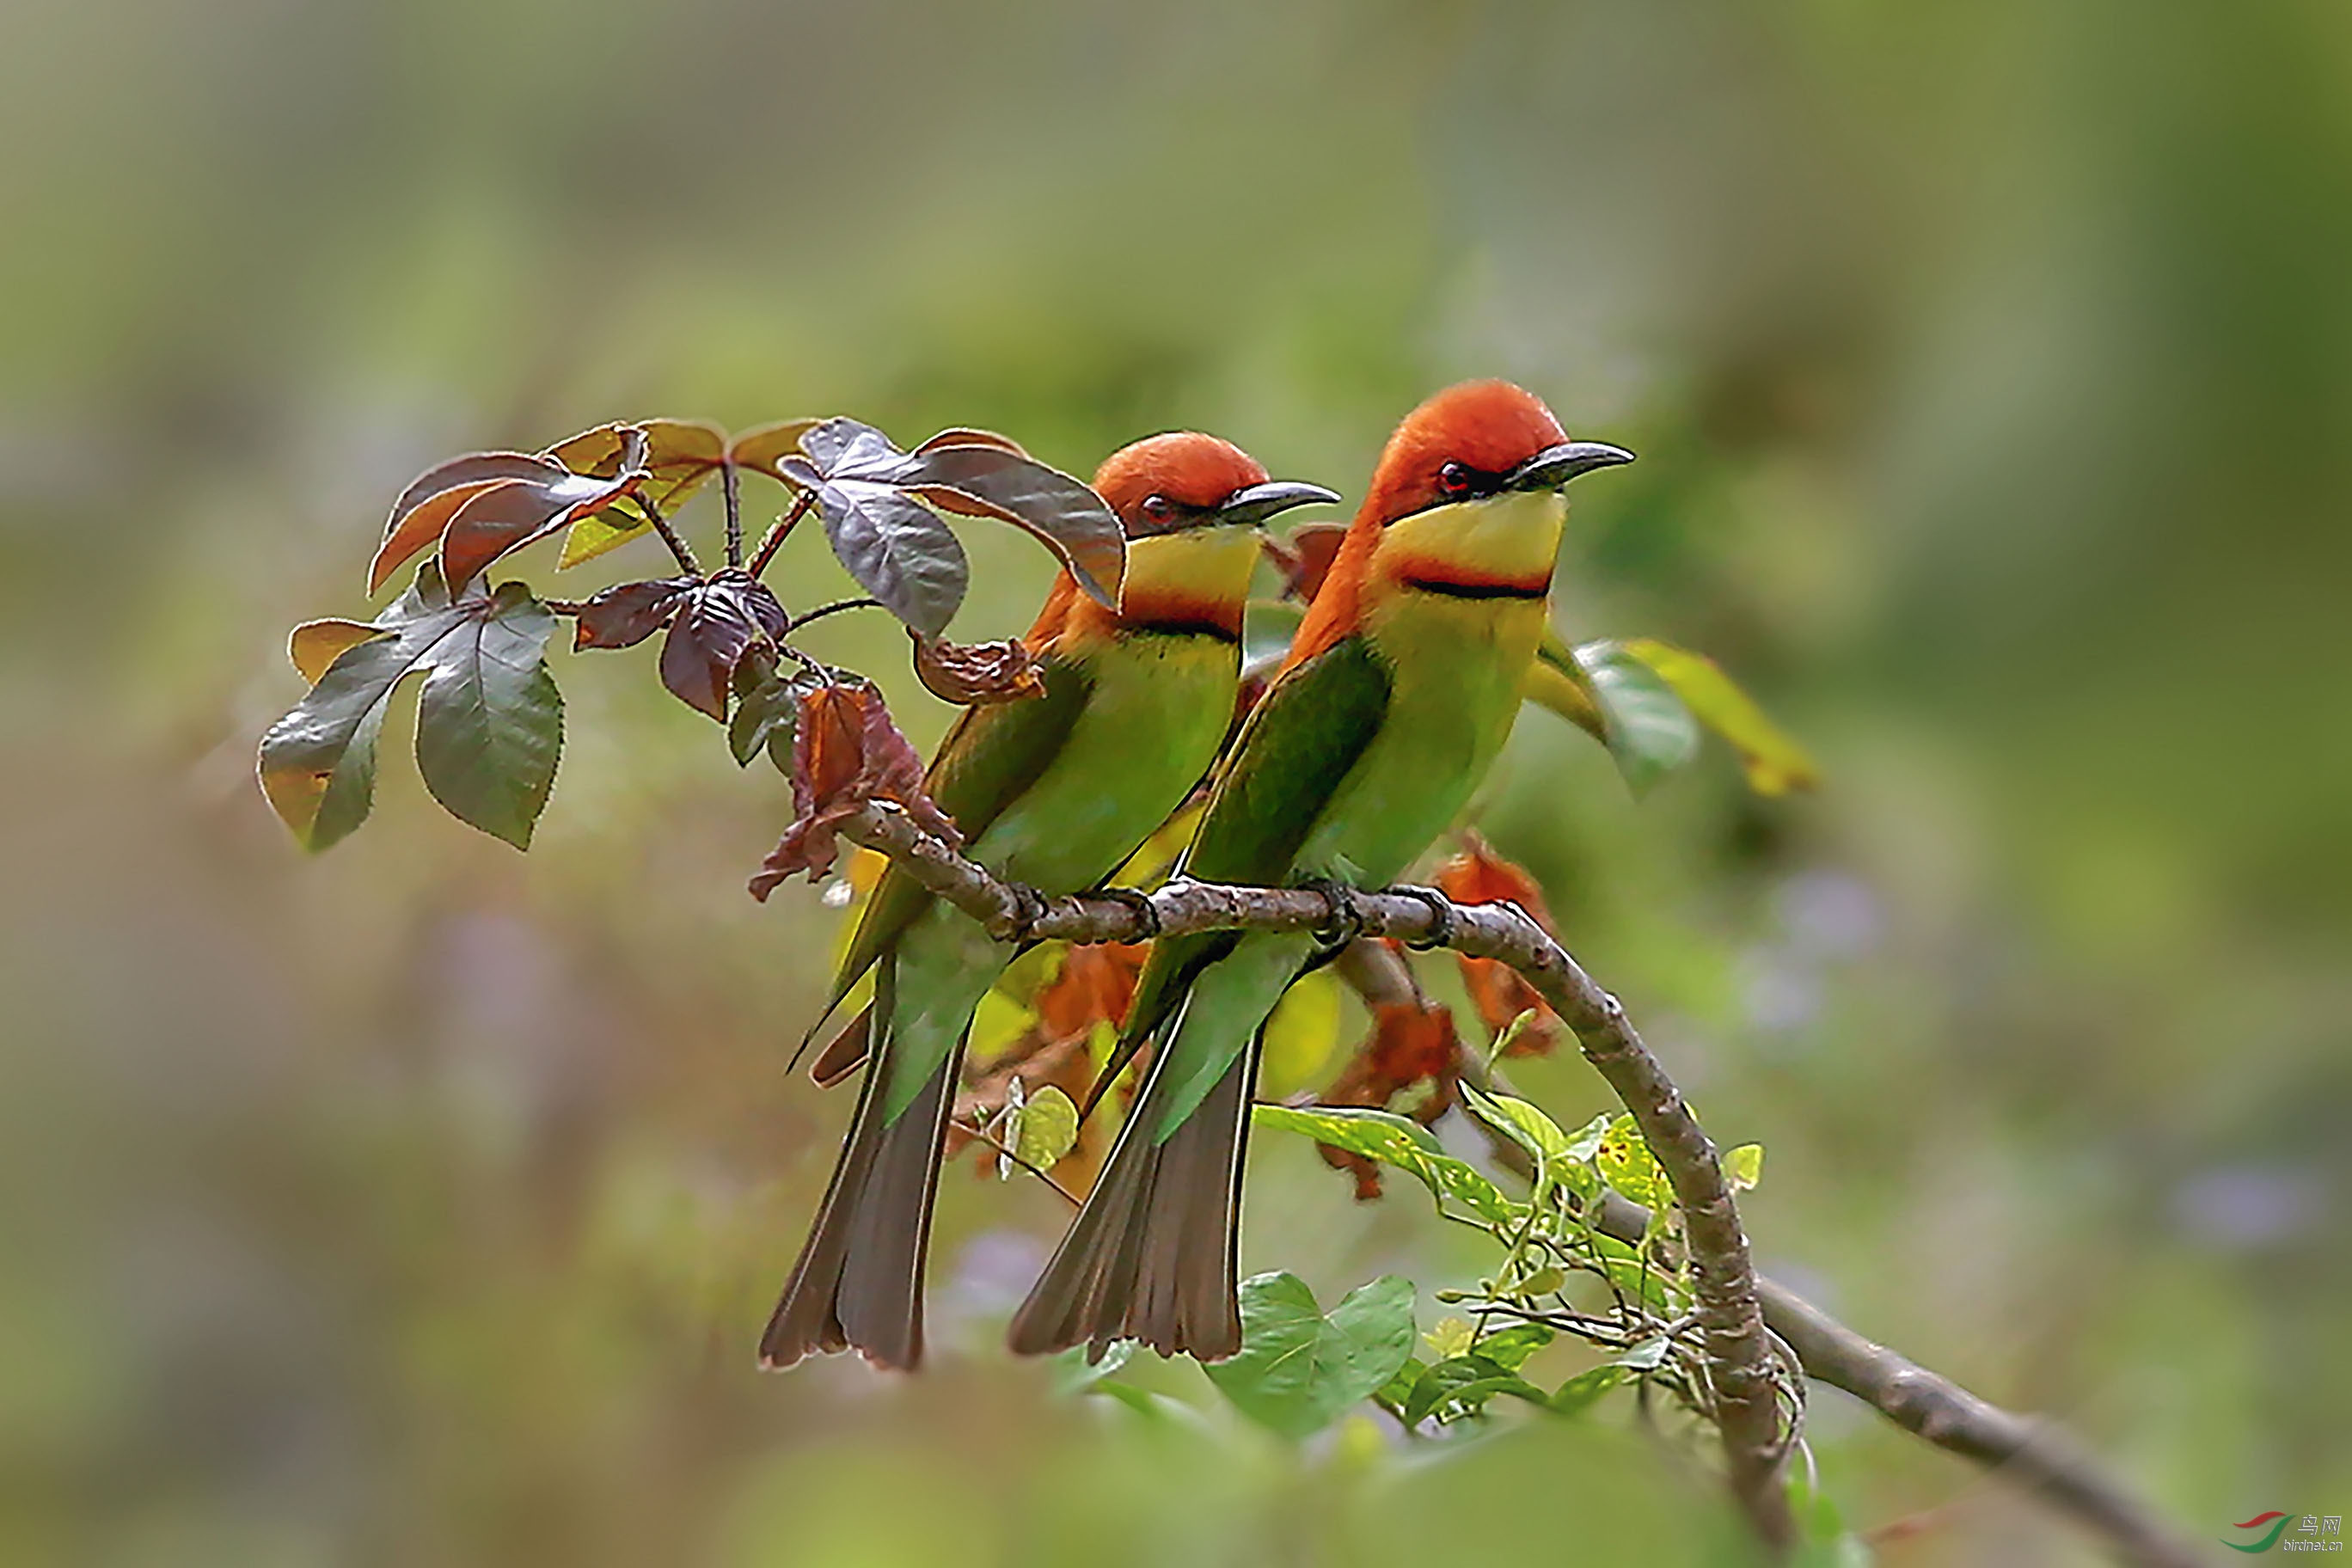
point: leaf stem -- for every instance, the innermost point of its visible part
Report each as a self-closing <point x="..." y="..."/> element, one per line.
<point x="983" y="1136"/>
<point x="731" y="481"/>
<point x="679" y="548"/>
<point x="774" y="538"/>
<point x="837" y="607"/>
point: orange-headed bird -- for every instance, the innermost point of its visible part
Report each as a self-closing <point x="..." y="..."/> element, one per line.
<point x="1398" y="693"/>
<point x="1053" y="792"/>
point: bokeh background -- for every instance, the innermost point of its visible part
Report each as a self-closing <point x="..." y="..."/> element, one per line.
<point x="1992" y="371"/>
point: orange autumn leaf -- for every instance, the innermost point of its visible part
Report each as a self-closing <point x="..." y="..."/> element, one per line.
<point x="1479" y="875"/>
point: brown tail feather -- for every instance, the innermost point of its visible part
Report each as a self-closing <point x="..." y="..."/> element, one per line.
<point x="1154" y="1253"/>
<point x="859" y="1281"/>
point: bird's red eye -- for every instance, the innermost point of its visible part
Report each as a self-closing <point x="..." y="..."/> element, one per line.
<point x="1159" y="508"/>
<point x="1454" y="479"/>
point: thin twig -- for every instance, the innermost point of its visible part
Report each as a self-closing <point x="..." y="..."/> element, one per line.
<point x="679" y="547"/>
<point x="974" y="1130"/>
<point x="772" y="541"/>
<point x="731" y="482"/>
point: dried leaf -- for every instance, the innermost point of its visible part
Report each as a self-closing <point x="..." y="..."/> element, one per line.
<point x="1306" y="560"/>
<point x="846" y="753"/>
<point x="975" y="674"/>
<point x="1410" y="1043"/>
<point x="1499" y="993"/>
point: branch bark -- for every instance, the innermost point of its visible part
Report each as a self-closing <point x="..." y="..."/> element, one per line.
<point x="2037" y="1453"/>
<point x="1739" y="1353"/>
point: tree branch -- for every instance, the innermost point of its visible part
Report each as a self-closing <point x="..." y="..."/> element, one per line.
<point x="2037" y="1453"/>
<point x="1740" y="1353"/>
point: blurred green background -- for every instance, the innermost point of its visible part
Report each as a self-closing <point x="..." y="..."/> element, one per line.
<point x="1992" y="371"/>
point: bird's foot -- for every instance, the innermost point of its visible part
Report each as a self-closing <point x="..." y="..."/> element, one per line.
<point x="1029" y="907"/>
<point x="1147" y="913"/>
<point x="1347" y="922"/>
<point x="1442" y="922"/>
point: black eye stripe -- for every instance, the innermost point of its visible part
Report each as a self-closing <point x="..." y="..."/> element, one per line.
<point x="1460" y="481"/>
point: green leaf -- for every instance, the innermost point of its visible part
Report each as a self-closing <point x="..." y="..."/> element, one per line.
<point x="1299" y="1367"/>
<point x="1521" y="1122"/>
<point x="1394" y="1140"/>
<point x="1583" y="1391"/>
<point x="489" y="726"/>
<point x="1774" y="762"/>
<point x="1073" y="1373"/>
<point x="1463" y="1384"/>
<point x="765" y="707"/>
<point x="1399" y="1389"/>
<point x="1046" y="1129"/>
<point x="1744" y="1167"/>
<point x="1649" y="730"/>
<point x="1509" y="1348"/>
<point x="1627" y="1164"/>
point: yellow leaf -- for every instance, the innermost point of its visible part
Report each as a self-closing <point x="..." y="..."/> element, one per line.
<point x="1450" y="1337"/>
<point x="315" y="644"/>
<point x="1775" y="763"/>
<point x="1048" y="1130"/>
<point x="1300" y="1034"/>
<point x="997" y="1025"/>
<point x="1744" y="1167"/>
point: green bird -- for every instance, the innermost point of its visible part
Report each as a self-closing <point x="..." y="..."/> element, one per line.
<point x="1053" y="792"/>
<point x="1400" y="689"/>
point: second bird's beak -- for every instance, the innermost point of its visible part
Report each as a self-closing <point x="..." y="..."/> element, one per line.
<point x="1555" y="466"/>
<point x="1254" y="505"/>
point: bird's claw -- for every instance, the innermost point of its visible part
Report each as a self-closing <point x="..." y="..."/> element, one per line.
<point x="1442" y="922"/>
<point x="1029" y="907"/>
<point x="1147" y="913"/>
<point x="1347" y="922"/>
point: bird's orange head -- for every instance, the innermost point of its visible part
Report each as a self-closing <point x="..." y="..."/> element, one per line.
<point x="1165" y="484"/>
<point x="1480" y="438"/>
<point x="1190" y="504"/>
<point x="1481" y="441"/>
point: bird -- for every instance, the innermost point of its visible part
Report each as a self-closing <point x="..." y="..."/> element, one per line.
<point x="1051" y="793"/>
<point x="1397" y="694"/>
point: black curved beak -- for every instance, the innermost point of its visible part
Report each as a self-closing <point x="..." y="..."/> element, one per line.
<point x="1254" y="505"/>
<point x="1555" y="466"/>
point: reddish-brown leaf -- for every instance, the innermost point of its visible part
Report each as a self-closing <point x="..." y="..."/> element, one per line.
<point x="1096" y="985"/>
<point x="846" y="753"/>
<point x="714" y="626"/>
<point x="976" y="674"/>
<point x="418" y="522"/>
<point x="511" y="513"/>
<point x="1410" y="1043"/>
<point x="1479" y="875"/>
<point x="959" y="435"/>
<point x="1307" y="559"/>
<point x="628" y="613"/>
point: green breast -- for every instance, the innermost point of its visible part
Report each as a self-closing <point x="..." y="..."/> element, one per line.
<point x="1457" y="667"/>
<point x="1158" y="709"/>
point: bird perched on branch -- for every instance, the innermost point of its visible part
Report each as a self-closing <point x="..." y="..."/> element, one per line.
<point x="1398" y="692"/>
<point x="1053" y="791"/>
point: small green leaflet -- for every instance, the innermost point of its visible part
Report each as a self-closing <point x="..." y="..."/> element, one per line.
<point x="1298" y="1366"/>
<point x="489" y="725"/>
<point x="1393" y="1140"/>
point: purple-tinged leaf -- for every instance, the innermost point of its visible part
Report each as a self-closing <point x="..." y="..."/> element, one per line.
<point x="628" y="613"/>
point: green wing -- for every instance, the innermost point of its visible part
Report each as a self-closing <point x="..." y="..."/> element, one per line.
<point x="988" y="760"/>
<point x="1291" y="756"/>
